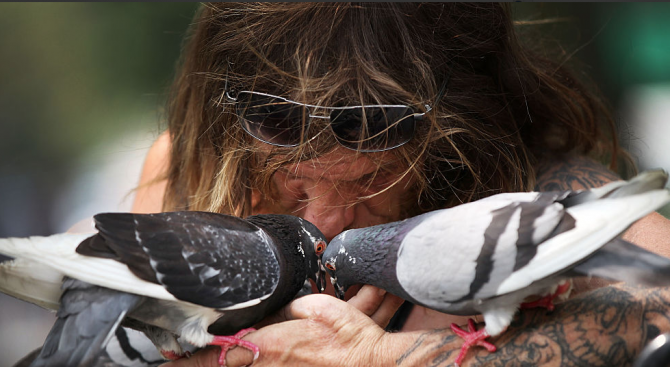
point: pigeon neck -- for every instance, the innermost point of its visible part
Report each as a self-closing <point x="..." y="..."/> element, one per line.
<point x="375" y="255"/>
<point x="293" y="268"/>
<point x="289" y="253"/>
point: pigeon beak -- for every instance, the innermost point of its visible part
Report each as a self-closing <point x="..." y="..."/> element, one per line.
<point x="321" y="277"/>
<point x="321" y="281"/>
<point x="339" y="291"/>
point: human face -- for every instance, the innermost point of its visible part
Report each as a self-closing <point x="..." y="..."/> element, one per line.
<point x="328" y="191"/>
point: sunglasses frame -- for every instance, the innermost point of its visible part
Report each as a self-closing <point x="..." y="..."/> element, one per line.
<point x="417" y="116"/>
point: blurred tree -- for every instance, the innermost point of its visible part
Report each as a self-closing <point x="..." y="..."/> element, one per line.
<point x="619" y="45"/>
<point x="75" y="75"/>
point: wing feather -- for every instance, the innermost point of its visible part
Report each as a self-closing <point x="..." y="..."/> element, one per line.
<point x="210" y="259"/>
<point x="596" y="223"/>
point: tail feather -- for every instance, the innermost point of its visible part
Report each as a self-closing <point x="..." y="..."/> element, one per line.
<point x="32" y="282"/>
<point x="36" y="247"/>
<point x="87" y="320"/>
<point x="27" y="275"/>
<point x="620" y="260"/>
<point x="644" y="182"/>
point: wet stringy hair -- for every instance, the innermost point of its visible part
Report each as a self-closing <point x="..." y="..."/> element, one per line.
<point x="503" y="109"/>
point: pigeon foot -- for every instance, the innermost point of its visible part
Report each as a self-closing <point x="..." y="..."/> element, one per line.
<point x="471" y="338"/>
<point x="227" y="342"/>
<point x="548" y="300"/>
<point x="173" y="356"/>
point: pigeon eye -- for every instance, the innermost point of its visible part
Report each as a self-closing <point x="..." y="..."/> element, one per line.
<point x="330" y="266"/>
<point x="320" y="247"/>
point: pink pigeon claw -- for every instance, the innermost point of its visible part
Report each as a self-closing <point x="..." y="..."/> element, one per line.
<point x="228" y="342"/>
<point x="173" y="356"/>
<point x="471" y="338"/>
<point x="548" y="300"/>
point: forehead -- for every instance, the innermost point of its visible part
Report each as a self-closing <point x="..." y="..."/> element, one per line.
<point x="343" y="165"/>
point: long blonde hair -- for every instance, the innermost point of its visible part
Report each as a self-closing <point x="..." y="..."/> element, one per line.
<point x="503" y="109"/>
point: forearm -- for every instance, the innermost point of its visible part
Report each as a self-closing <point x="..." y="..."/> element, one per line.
<point x="605" y="327"/>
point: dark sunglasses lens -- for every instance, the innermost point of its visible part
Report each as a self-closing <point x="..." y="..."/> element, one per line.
<point x="271" y="120"/>
<point x="373" y="128"/>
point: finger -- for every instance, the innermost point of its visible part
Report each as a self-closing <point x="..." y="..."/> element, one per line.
<point x="267" y="340"/>
<point x="207" y="357"/>
<point x="240" y="356"/>
<point x="314" y="306"/>
<point x="368" y="299"/>
<point x="286" y="313"/>
<point x="389" y="306"/>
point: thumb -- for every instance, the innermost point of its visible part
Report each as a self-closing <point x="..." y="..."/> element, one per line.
<point x="306" y="307"/>
<point x="316" y="307"/>
<point x="206" y="357"/>
<point x="379" y="305"/>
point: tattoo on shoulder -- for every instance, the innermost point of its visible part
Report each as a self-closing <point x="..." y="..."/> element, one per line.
<point x="606" y="327"/>
<point x="574" y="173"/>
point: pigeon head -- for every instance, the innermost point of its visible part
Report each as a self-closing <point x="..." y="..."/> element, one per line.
<point x="314" y="245"/>
<point x="293" y="231"/>
<point x="338" y="264"/>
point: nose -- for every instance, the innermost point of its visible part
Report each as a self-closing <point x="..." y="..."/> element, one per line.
<point x="329" y="208"/>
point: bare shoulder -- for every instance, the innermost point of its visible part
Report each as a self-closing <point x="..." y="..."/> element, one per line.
<point x="153" y="179"/>
<point x="573" y="173"/>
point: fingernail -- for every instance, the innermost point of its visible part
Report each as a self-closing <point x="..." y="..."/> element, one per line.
<point x="381" y="292"/>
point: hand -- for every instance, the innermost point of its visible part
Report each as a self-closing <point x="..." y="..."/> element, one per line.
<point x="318" y="330"/>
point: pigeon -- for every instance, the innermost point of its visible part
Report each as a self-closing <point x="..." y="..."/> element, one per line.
<point x="487" y="256"/>
<point x="128" y="347"/>
<point x="656" y="353"/>
<point x="198" y="276"/>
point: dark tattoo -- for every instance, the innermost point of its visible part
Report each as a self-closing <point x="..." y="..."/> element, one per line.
<point x="573" y="173"/>
<point x="419" y="342"/>
<point x="606" y="327"/>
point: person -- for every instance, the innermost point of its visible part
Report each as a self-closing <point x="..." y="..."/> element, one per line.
<point x="356" y="114"/>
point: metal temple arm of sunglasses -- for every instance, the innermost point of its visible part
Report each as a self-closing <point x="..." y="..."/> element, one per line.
<point x="234" y="99"/>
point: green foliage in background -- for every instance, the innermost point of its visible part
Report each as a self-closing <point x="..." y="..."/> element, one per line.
<point x="74" y="74"/>
<point x="636" y="44"/>
<point x="619" y="45"/>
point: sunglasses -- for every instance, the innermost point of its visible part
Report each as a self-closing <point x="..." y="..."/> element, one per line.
<point x="282" y="122"/>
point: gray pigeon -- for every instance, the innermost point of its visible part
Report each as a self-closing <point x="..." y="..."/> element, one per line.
<point x="128" y="347"/>
<point x="488" y="256"/>
<point x="196" y="275"/>
<point x="656" y="353"/>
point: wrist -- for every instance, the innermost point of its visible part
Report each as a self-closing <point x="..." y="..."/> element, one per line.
<point x="415" y="348"/>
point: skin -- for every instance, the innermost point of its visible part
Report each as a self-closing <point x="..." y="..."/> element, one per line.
<point x="603" y="327"/>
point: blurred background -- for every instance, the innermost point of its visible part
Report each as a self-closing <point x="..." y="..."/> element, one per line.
<point x="82" y="88"/>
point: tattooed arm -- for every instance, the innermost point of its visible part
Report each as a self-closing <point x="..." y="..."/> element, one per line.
<point x="605" y="327"/>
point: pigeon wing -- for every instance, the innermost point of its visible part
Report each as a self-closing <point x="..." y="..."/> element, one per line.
<point x="476" y="246"/>
<point x="87" y="319"/>
<point x="210" y="259"/>
<point x="596" y="223"/>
